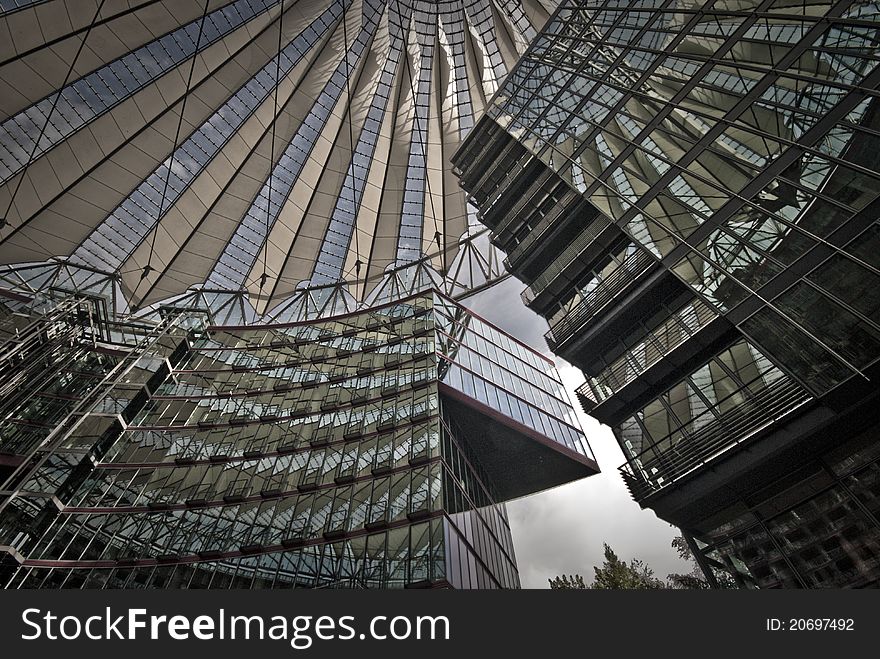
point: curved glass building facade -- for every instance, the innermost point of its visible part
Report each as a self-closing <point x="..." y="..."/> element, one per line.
<point x="366" y="450"/>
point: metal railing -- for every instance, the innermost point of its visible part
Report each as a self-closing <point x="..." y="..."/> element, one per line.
<point x="38" y="449"/>
<point x="587" y="397"/>
<point x="656" y="344"/>
<point x="514" y="213"/>
<point x="539" y="233"/>
<point x="656" y="468"/>
<point x="477" y="187"/>
<point x="568" y="256"/>
<point x="536" y="235"/>
<point x="627" y="273"/>
<point x="30" y="357"/>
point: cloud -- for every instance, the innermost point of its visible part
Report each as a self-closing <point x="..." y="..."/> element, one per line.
<point x="562" y="531"/>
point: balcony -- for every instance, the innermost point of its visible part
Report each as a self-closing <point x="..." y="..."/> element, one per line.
<point x="489" y="181"/>
<point x="481" y="150"/>
<point x="637" y="360"/>
<point x="513" y="217"/>
<point x="587" y="397"/>
<point x="541" y="288"/>
<point x="542" y="231"/>
<point x="614" y="285"/>
<point x="655" y="468"/>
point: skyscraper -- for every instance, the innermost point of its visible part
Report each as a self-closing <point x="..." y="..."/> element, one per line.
<point x="231" y="349"/>
<point x="690" y="192"/>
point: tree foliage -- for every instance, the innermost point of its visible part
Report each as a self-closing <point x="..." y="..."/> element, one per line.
<point x="616" y="574"/>
<point x="568" y="582"/>
<point x="695" y="579"/>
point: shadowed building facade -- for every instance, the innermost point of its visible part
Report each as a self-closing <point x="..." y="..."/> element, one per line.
<point x="689" y="189"/>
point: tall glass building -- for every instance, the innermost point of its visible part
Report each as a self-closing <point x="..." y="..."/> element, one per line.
<point x="232" y="348"/>
<point x="689" y="189"/>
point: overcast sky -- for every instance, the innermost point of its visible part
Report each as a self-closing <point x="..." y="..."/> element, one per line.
<point x="561" y="531"/>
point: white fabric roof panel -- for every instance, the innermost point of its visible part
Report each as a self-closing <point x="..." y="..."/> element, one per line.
<point x="339" y="173"/>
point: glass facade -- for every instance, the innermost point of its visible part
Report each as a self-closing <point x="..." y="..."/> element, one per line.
<point x="169" y="451"/>
<point x="690" y="191"/>
<point x="816" y="528"/>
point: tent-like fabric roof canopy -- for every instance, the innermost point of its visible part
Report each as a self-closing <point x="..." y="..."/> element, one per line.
<point x="256" y="145"/>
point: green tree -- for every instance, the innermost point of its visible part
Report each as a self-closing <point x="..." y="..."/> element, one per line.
<point x="568" y="582"/>
<point x="614" y="574"/>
